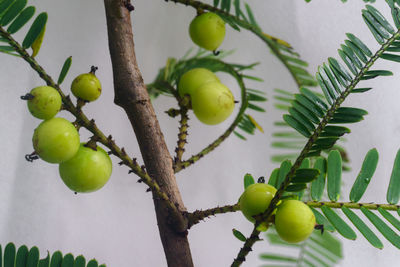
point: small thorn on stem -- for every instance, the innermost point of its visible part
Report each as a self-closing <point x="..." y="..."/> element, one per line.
<point x="93" y="69"/>
<point x="216" y="53"/>
<point x="28" y="96"/>
<point x="129" y="6"/>
<point x="31" y="157"/>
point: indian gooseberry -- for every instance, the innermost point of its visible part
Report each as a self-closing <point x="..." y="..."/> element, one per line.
<point x="56" y="140"/>
<point x="207" y="31"/>
<point x="294" y="221"/>
<point x="45" y="102"/>
<point x="88" y="171"/>
<point x="193" y="79"/>
<point x="256" y="199"/>
<point x="86" y="86"/>
<point x="212" y="103"/>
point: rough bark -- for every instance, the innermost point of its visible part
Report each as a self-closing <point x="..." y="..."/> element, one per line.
<point x="132" y="96"/>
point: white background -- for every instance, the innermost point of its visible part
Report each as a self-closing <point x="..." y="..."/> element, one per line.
<point x="117" y="224"/>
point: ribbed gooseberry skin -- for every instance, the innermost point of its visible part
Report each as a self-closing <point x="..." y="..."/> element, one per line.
<point x="207" y="31"/>
<point x="294" y="221"/>
<point x="193" y="79"/>
<point x="212" y="103"/>
<point x="86" y="86"/>
<point x="56" y="140"/>
<point x="256" y="199"/>
<point x="46" y="102"/>
<point x="88" y="171"/>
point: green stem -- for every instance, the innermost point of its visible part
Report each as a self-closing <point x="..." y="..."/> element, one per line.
<point x="90" y="125"/>
<point x="303" y="154"/>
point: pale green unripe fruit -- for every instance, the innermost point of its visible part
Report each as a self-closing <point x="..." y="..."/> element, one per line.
<point x="256" y="199"/>
<point x="193" y="79"/>
<point x="46" y="102"/>
<point x="207" y="31"/>
<point x="87" y="171"/>
<point x="294" y="221"/>
<point x="56" y="140"/>
<point x="212" y="103"/>
<point x="86" y="86"/>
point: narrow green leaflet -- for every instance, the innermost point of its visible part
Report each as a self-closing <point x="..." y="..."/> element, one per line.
<point x="64" y="70"/>
<point x="391" y="57"/>
<point x="385" y="230"/>
<point x="12" y="12"/>
<point x="68" y="261"/>
<point x="239" y="235"/>
<point x="80" y="261"/>
<point x="363" y="228"/>
<point x="56" y="259"/>
<point x="92" y="263"/>
<point x="334" y="174"/>
<point x="329" y="242"/>
<point x="273" y="179"/>
<point x="305" y="175"/>
<point x="323" y="221"/>
<point x="359" y="44"/>
<point x="248" y="180"/>
<point x="332" y="130"/>
<point x="341" y="226"/>
<point x="4" y="6"/>
<point x="277" y="257"/>
<point x="390" y="218"/>
<point x="21" y="20"/>
<point x="283" y="171"/>
<point x="22" y="256"/>
<point x="296" y="187"/>
<point x="365" y="175"/>
<point x="33" y="257"/>
<point x="35" y="30"/>
<point x="380" y="18"/>
<point x="393" y="193"/>
<point x="9" y="255"/>
<point x="296" y="125"/>
<point x="45" y="262"/>
<point x="318" y="185"/>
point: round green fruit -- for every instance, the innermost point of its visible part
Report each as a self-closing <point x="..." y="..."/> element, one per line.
<point x="86" y="86"/>
<point x="212" y="103"/>
<point x="45" y="103"/>
<point x="193" y="79"/>
<point x="207" y="31"/>
<point x="56" y="140"/>
<point x="256" y="199"/>
<point x="88" y="171"/>
<point x="294" y="221"/>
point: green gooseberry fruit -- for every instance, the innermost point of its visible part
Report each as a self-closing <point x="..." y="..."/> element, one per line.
<point x="56" y="140"/>
<point x="86" y="86"/>
<point x="45" y="102"/>
<point x="212" y="103"/>
<point x="193" y="79"/>
<point x="256" y="199"/>
<point x="88" y="171"/>
<point x="207" y="31"/>
<point x="294" y="221"/>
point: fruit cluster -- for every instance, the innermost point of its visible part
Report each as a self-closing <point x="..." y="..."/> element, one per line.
<point x="82" y="167"/>
<point x="212" y="102"/>
<point x="294" y="221"/>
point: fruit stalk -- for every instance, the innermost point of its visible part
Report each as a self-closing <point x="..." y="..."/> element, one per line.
<point x="131" y="94"/>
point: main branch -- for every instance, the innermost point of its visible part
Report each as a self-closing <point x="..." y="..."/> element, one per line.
<point x="131" y="94"/>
